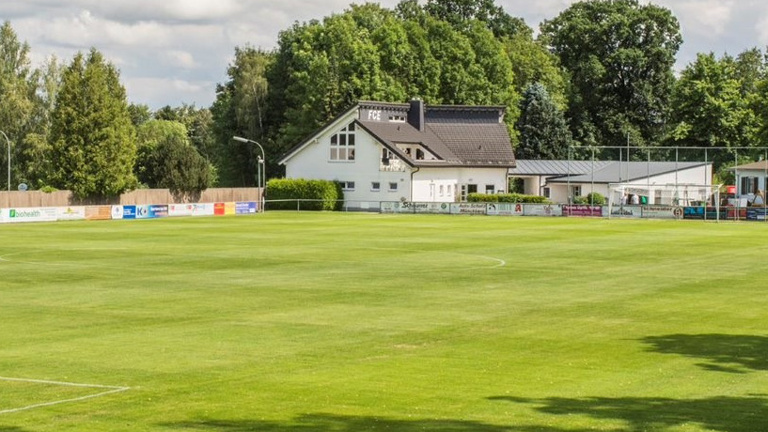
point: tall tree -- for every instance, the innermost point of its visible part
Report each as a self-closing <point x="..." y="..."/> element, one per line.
<point x="709" y="109"/>
<point x="620" y="56"/>
<point x="93" y="139"/>
<point x="544" y="133"/>
<point x="19" y="100"/>
<point x="461" y="13"/>
<point x="166" y="159"/>
<point x="242" y="109"/>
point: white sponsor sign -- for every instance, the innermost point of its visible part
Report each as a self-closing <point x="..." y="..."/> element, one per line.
<point x="117" y="212"/>
<point x="469" y="208"/>
<point x="542" y="210"/>
<point x="505" y="209"/>
<point x="662" y="212"/>
<point x="203" y="209"/>
<point x="180" y="209"/>
<point x="39" y="214"/>
<point x="626" y="211"/>
<point x="70" y="213"/>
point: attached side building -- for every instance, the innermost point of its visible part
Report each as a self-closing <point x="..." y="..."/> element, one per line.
<point x="408" y="152"/>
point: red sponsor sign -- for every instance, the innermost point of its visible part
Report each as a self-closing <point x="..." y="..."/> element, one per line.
<point x="219" y="209"/>
<point x="583" y="210"/>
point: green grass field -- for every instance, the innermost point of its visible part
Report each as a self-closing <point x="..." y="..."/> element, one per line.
<point x="287" y="322"/>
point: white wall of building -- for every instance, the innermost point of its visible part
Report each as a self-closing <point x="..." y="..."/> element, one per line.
<point x="313" y="162"/>
<point x="691" y="176"/>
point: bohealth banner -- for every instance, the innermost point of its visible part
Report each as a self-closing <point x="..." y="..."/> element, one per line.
<point x="39" y="214"/>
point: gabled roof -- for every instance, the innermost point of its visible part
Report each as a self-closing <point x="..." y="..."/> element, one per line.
<point x="626" y="172"/>
<point x="468" y="136"/>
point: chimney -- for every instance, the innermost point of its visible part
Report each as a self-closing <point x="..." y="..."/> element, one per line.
<point x="416" y="114"/>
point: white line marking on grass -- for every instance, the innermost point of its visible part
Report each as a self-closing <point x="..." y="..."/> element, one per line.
<point x="109" y="390"/>
<point x="501" y="262"/>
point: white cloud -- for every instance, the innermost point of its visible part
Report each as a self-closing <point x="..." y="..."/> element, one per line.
<point x="175" y="51"/>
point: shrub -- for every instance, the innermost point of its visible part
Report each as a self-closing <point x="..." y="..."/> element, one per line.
<point x="514" y="198"/>
<point x="593" y="198"/>
<point x="320" y="194"/>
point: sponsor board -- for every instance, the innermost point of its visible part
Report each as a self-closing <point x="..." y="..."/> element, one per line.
<point x="542" y="210"/>
<point x="37" y="214"/>
<point x="505" y="209"/>
<point x="117" y="212"/>
<point x="757" y="214"/>
<point x="469" y="208"/>
<point x="583" y="210"/>
<point x="219" y="209"/>
<point x="229" y="208"/>
<point x="627" y="211"/>
<point x="662" y="212"/>
<point x="244" y="208"/>
<point x="129" y="212"/>
<point x="70" y="213"/>
<point x="142" y="212"/>
<point x="98" y="212"/>
<point x="175" y="210"/>
<point x="158" y="211"/>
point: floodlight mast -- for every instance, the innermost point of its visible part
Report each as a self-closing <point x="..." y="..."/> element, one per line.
<point x="261" y="175"/>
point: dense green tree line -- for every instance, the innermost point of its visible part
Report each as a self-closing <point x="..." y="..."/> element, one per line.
<point x="601" y="73"/>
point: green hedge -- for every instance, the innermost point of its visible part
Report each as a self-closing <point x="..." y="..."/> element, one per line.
<point x="319" y="194"/>
<point x="593" y="198"/>
<point x="507" y="198"/>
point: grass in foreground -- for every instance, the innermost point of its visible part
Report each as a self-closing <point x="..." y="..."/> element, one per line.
<point x="289" y="322"/>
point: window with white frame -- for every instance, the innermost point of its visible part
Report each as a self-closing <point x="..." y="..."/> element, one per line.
<point x="547" y="192"/>
<point x="392" y="186"/>
<point x="343" y="144"/>
<point x="442" y="190"/>
<point x="375" y="186"/>
<point x="489" y="189"/>
<point x="347" y="185"/>
<point x="749" y="185"/>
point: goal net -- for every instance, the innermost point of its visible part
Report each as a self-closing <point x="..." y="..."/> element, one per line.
<point x="667" y="197"/>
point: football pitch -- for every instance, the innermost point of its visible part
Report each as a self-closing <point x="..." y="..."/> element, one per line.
<point x="288" y="322"/>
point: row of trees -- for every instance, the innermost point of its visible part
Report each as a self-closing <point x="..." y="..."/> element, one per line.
<point x="599" y="74"/>
<point x="72" y="128"/>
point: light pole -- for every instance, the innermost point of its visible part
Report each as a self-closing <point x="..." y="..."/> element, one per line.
<point x="261" y="175"/>
<point x="8" y="142"/>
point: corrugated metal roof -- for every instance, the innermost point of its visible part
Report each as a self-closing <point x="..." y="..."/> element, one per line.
<point x="555" y="167"/>
<point x="627" y="172"/>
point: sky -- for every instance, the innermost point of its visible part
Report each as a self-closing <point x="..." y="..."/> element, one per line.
<point x="171" y="52"/>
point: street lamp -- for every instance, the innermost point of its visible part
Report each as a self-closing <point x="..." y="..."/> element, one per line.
<point x="8" y="142"/>
<point x="261" y="175"/>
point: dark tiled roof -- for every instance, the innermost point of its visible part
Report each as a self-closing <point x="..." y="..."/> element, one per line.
<point x="476" y="144"/>
<point x="471" y="136"/>
<point x="458" y="135"/>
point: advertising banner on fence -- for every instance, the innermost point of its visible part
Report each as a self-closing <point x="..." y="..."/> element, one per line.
<point x="583" y="210"/>
<point x="98" y="212"/>
<point x="117" y="212"/>
<point x="70" y="213"/>
<point x="219" y="209"/>
<point x="244" y="208"/>
<point x="469" y="208"/>
<point x="661" y="212"/>
<point x="129" y="212"/>
<point x="627" y="211"/>
<point x="757" y="214"/>
<point x="542" y="210"/>
<point x="158" y="211"/>
<point x="39" y="214"/>
<point x="229" y="208"/>
<point x="504" y="209"/>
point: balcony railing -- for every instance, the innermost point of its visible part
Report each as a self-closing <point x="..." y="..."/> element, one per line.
<point x="392" y="165"/>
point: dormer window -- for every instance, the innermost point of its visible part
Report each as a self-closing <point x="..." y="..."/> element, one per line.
<point x="343" y="144"/>
<point x="397" y="119"/>
<point x="419" y="154"/>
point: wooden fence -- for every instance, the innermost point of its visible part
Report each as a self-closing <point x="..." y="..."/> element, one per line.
<point x="18" y="199"/>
